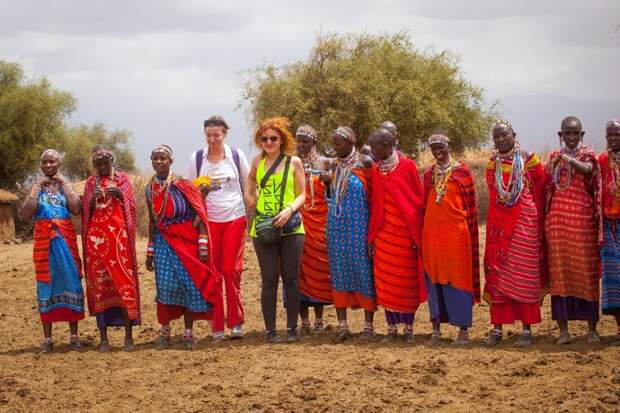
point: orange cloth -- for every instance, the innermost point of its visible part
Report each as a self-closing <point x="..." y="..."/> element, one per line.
<point x="396" y="265"/>
<point x="44" y="231"/>
<point x="314" y="278"/>
<point x="446" y="241"/>
<point x="351" y="299"/>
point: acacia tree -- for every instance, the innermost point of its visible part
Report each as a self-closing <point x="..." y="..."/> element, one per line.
<point x="32" y="115"/>
<point x="361" y="80"/>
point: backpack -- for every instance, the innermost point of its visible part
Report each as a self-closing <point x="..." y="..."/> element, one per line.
<point x="235" y="156"/>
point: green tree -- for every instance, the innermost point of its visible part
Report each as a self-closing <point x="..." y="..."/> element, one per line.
<point x="32" y="115"/>
<point x="79" y="141"/>
<point x="361" y="80"/>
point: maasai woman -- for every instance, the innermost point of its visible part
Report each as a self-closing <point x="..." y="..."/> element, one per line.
<point x="514" y="260"/>
<point x="609" y="162"/>
<point x="450" y="241"/>
<point x="572" y="232"/>
<point x="353" y="283"/>
<point x="314" y="281"/>
<point x="109" y="245"/>
<point x="56" y="261"/>
<point x="178" y="250"/>
<point x="276" y="187"/>
<point x="395" y="234"/>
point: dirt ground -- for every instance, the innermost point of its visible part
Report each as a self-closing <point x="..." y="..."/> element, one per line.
<point x="314" y="375"/>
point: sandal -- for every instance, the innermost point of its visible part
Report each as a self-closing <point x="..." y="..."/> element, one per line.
<point x="75" y="344"/>
<point x="47" y="346"/>
<point x="564" y="339"/>
<point x="494" y="338"/>
<point x="343" y="334"/>
<point x="435" y="339"/>
<point x="104" y="346"/>
<point x="525" y="339"/>
<point x="129" y="346"/>
<point x="462" y="339"/>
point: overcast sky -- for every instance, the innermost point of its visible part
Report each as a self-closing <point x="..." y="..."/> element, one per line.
<point x="159" y="68"/>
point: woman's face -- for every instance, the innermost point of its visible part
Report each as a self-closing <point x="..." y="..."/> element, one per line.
<point x="304" y="145"/>
<point x="571" y="134"/>
<point x="215" y="135"/>
<point x="161" y="163"/>
<point x="441" y="152"/>
<point x="271" y="141"/>
<point x="342" y="146"/>
<point x="103" y="166"/>
<point x="503" y="138"/>
<point x="613" y="137"/>
<point x="49" y="165"/>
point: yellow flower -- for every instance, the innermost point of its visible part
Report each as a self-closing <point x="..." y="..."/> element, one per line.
<point x="202" y="180"/>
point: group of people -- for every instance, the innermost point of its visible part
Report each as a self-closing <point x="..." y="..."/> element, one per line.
<point x="360" y="230"/>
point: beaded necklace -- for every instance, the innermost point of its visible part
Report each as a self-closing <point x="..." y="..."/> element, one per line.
<point x="614" y="163"/>
<point x="509" y="193"/>
<point x="441" y="176"/>
<point x="111" y="183"/>
<point x="164" y="185"/>
<point x="310" y="162"/>
<point x="341" y="180"/>
<point x="390" y="163"/>
<point x="563" y="165"/>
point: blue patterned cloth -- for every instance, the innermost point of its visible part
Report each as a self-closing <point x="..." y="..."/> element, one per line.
<point x="610" y="257"/>
<point x="347" y="242"/>
<point x="173" y="282"/>
<point x="65" y="288"/>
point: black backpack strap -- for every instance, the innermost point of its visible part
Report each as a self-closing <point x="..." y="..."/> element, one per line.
<point x="199" y="159"/>
<point x="271" y="170"/>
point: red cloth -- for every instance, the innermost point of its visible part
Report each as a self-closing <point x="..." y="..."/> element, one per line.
<point x="183" y="238"/>
<point x="61" y="314"/>
<point x="111" y="278"/>
<point x="44" y="232"/>
<point x="508" y="313"/>
<point x="406" y="188"/>
<point x="502" y="220"/>
<point x="228" y="261"/>
<point x="168" y="312"/>
<point x="464" y="178"/>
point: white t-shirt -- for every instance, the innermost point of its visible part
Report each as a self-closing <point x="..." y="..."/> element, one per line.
<point x="226" y="203"/>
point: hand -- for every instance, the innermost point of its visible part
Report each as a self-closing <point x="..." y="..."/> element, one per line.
<point x="250" y="202"/>
<point x="150" y="263"/>
<point x="59" y="178"/>
<point x="204" y="189"/>
<point x="44" y="180"/>
<point x="203" y="254"/>
<point x="283" y="217"/>
<point x="371" y="250"/>
<point x="326" y="177"/>
<point x="116" y="193"/>
<point x="196" y="222"/>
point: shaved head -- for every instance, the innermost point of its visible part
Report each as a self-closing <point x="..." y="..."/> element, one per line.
<point x="570" y="120"/>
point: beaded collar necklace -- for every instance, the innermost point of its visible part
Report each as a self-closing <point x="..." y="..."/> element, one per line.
<point x="509" y="193"/>
<point x="390" y="163"/>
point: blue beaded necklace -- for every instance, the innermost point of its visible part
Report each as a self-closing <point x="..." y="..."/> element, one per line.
<point x="509" y="194"/>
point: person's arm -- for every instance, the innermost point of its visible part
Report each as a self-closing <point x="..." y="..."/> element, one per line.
<point x="300" y="194"/>
<point x="584" y="168"/>
<point x="74" y="204"/>
<point x="29" y="207"/>
<point x="250" y="184"/>
<point x="243" y="166"/>
<point x="191" y="171"/>
<point x="150" y="249"/>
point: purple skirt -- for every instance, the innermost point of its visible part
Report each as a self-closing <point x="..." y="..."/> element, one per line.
<point x="112" y="317"/>
<point x="446" y="304"/>
<point x="573" y="308"/>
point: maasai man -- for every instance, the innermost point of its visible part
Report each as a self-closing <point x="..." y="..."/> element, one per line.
<point x="395" y="234"/>
<point x="314" y="281"/>
<point x="57" y="264"/>
<point x="109" y="246"/>
<point x="515" y="259"/>
<point x="178" y="250"/>
<point x="450" y="241"/>
<point x="353" y="284"/>
<point x="572" y="231"/>
<point x="609" y="163"/>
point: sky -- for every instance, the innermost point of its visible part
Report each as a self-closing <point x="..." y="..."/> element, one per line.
<point x="159" y="68"/>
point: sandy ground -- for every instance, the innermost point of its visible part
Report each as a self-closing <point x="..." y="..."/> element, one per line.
<point x="314" y="375"/>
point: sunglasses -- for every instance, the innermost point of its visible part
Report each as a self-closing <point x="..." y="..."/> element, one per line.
<point x="265" y="139"/>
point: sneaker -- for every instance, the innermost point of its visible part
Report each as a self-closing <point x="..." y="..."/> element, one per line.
<point x="236" y="332"/>
<point x="291" y="335"/>
<point x="273" y="337"/>
<point x="218" y="337"/>
<point x="47" y="346"/>
<point x="188" y="341"/>
<point x="164" y="342"/>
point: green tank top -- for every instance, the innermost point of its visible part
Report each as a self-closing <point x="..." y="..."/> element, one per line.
<point x="268" y="201"/>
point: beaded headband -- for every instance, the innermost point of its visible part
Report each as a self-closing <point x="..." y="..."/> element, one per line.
<point x="52" y="152"/>
<point x="612" y="122"/>
<point x="307" y="132"/>
<point x="505" y="123"/>
<point x="342" y="132"/>
<point x="103" y="154"/>
<point x="438" y="139"/>
<point x="165" y="149"/>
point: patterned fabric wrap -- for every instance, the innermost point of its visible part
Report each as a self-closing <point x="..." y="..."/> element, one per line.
<point x="572" y="231"/>
<point x="465" y="198"/>
<point x="523" y="222"/>
<point x="347" y="240"/>
<point x="314" y="278"/>
<point x="108" y="236"/>
<point x="610" y="257"/>
<point x="396" y="231"/>
<point x="57" y="263"/>
<point x="176" y="228"/>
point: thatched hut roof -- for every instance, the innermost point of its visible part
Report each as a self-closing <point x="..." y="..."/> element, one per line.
<point x="6" y="196"/>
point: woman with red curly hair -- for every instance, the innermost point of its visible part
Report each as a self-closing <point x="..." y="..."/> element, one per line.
<point x="276" y="187"/>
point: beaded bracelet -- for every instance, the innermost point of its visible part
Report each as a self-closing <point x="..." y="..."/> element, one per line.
<point x="34" y="192"/>
<point x="150" y="249"/>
